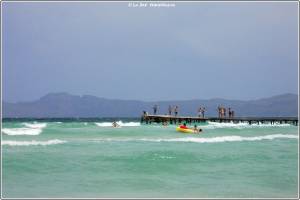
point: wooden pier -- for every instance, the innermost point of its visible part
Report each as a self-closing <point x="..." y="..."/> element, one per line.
<point x="148" y="119"/>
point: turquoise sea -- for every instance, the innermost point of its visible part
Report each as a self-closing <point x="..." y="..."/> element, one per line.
<point x="90" y="159"/>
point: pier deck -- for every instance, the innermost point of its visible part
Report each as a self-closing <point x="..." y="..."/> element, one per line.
<point x="188" y="119"/>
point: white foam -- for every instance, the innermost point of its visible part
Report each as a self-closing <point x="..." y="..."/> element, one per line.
<point x="130" y="123"/>
<point x="104" y="124"/>
<point x="232" y="138"/>
<point x="109" y="124"/>
<point x="35" y="125"/>
<point x="33" y="142"/>
<point x="241" y="125"/>
<point x="29" y="129"/>
<point x="21" y="131"/>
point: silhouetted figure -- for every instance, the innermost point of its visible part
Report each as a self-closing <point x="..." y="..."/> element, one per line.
<point x="170" y="110"/>
<point x="155" y="108"/>
<point x="203" y="111"/>
<point x="176" y="110"/>
<point x="232" y="114"/>
<point x="229" y="113"/>
<point x="199" y="112"/>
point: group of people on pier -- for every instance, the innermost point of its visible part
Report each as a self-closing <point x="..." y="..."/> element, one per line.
<point x="173" y="109"/>
<point x="201" y="111"/>
<point x="225" y="115"/>
<point x="222" y="112"/>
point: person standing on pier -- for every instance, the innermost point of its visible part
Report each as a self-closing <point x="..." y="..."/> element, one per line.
<point x="232" y="114"/>
<point x="170" y="110"/>
<point x="145" y="113"/>
<point x="199" y="112"/>
<point x="229" y="112"/>
<point x="203" y="111"/>
<point x="176" y="110"/>
<point x="155" y="108"/>
<point x="224" y="112"/>
<point x="220" y="111"/>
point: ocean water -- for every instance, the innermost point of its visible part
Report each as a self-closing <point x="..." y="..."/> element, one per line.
<point x="90" y="159"/>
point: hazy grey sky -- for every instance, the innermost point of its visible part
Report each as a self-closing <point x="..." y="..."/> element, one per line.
<point x="199" y="50"/>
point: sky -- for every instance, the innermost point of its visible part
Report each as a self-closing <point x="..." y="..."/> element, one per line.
<point x="195" y="50"/>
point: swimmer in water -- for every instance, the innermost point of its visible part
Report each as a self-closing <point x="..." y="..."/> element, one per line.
<point x="115" y="124"/>
<point x="196" y="130"/>
<point x="165" y="124"/>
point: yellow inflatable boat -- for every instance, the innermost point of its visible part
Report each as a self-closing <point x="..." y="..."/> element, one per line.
<point x="184" y="130"/>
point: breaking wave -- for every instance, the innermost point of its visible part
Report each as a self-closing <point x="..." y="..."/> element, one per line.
<point x="33" y="142"/>
<point x="109" y="124"/>
<point x="35" y="125"/>
<point x="232" y="138"/>
<point x="21" y="131"/>
<point x="29" y="129"/>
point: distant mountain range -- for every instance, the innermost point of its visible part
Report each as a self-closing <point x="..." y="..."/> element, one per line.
<point x="56" y="105"/>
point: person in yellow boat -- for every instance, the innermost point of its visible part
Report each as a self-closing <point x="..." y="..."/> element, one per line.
<point x="183" y="126"/>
